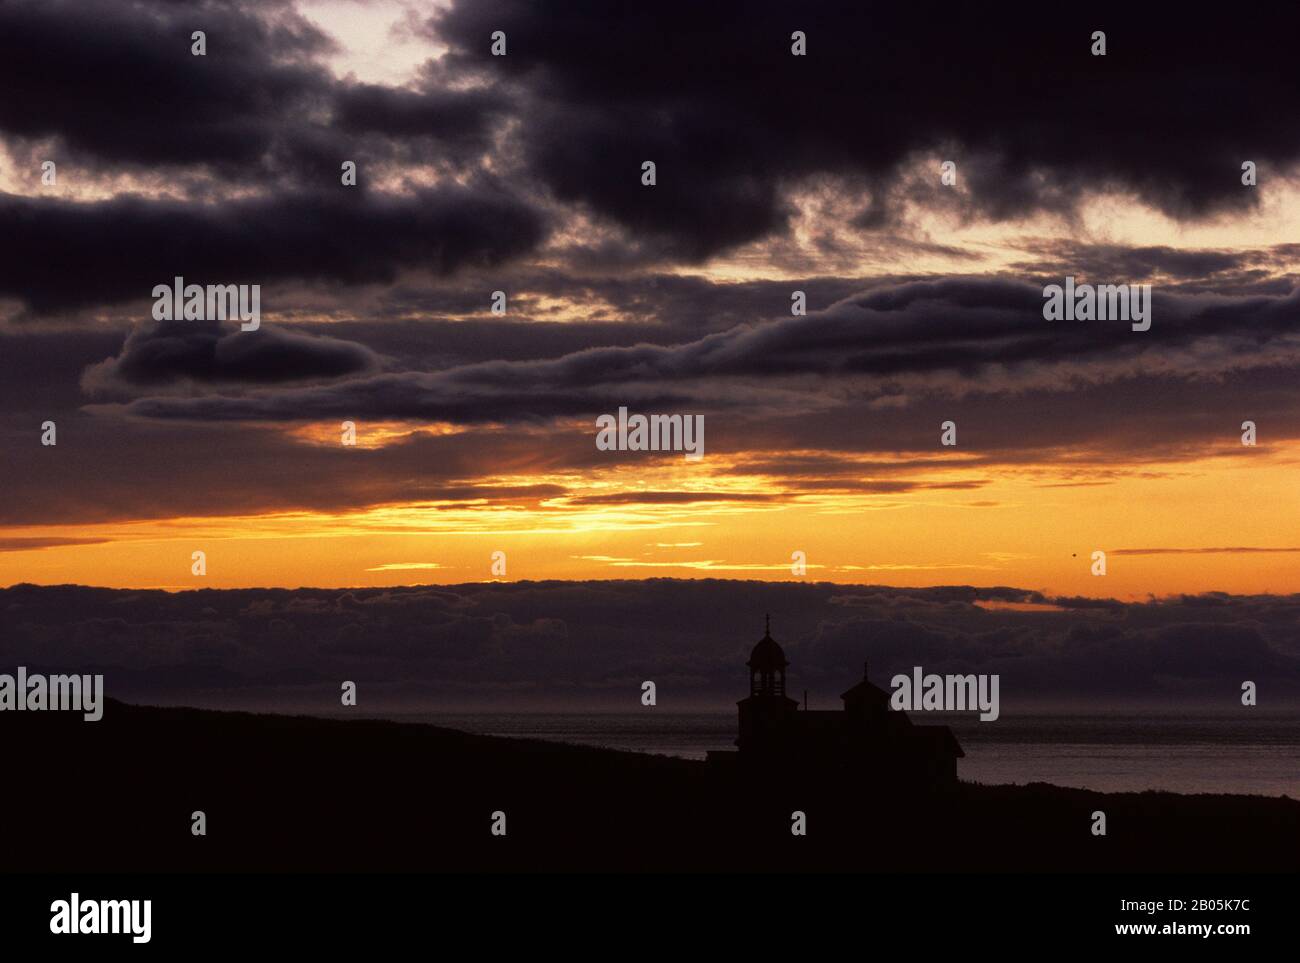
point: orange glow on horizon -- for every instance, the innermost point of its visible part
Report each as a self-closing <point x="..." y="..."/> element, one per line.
<point x="1166" y="529"/>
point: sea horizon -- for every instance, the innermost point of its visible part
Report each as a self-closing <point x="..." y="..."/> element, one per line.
<point x="1129" y="751"/>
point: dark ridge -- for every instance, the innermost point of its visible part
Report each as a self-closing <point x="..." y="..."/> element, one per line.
<point x="287" y="793"/>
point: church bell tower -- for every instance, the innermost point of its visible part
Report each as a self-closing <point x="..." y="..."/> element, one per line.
<point x="767" y="715"/>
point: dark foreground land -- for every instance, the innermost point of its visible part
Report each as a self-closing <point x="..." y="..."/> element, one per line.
<point x="293" y="793"/>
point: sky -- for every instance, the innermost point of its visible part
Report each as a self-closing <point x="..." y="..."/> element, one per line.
<point x="475" y="432"/>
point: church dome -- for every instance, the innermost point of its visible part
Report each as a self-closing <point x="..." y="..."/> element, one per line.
<point x="767" y="655"/>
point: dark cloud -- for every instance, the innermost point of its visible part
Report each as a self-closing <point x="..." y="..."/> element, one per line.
<point x="459" y="122"/>
<point x="713" y="95"/>
<point x="1108" y="263"/>
<point x="573" y="643"/>
<point x="218" y="471"/>
<point x="118" y="82"/>
<point x="30" y="544"/>
<point x="118" y="250"/>
<point x="671" y="498"/>
<point x="202" y="351"/>
<point x="654" y="307"/>
<point x="892" y="345"/>
<point x="115" y="86"/>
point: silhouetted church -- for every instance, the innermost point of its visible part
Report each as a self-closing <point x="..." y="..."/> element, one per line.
<point x="867" y="737"/>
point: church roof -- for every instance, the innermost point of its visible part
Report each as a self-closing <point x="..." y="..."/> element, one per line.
<point x="866" y="689"/>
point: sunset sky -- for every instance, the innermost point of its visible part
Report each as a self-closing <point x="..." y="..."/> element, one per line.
<point x="476" y="432"/>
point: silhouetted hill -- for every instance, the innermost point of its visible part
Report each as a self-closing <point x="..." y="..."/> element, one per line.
<point x="298" y="793"/>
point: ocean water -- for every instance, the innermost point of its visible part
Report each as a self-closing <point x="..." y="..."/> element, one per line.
<point x="1247" y="752"/>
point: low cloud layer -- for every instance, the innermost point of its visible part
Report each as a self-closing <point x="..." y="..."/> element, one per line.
<point x="577" y="644"/>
